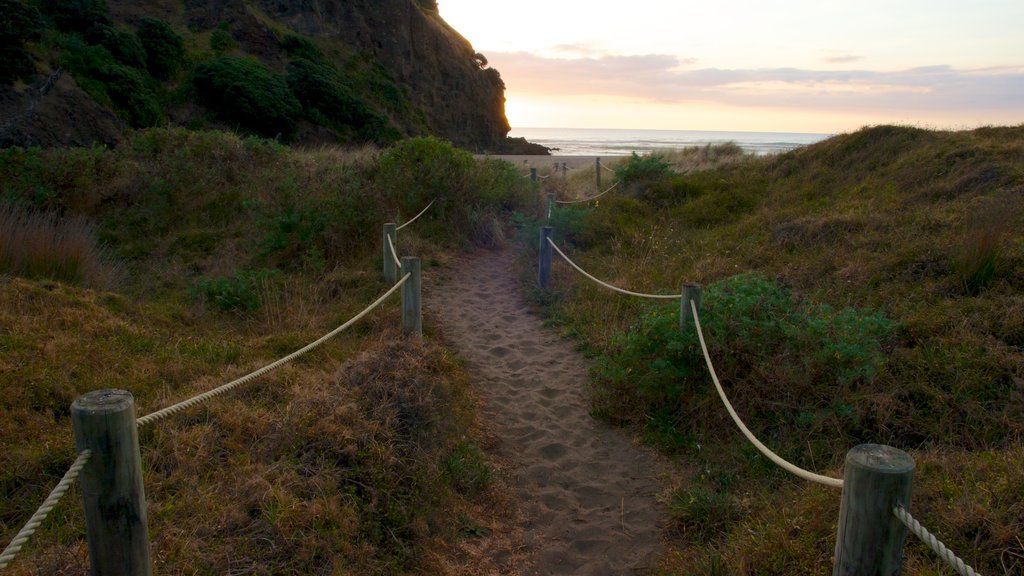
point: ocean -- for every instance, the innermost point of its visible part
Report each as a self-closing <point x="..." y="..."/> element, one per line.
<point x="622" y="142"/>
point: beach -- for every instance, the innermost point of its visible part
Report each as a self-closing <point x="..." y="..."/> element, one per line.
<point x="541" y="162"/>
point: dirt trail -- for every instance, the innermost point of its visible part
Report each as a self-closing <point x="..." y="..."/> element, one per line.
<point x="588" y="494"/>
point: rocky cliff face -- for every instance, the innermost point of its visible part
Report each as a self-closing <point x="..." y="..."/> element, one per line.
<point x="432" y="79"/>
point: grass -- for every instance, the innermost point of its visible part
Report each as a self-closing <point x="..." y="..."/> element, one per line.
<point x="359" y="457"/>
<point x="912" y="230"/>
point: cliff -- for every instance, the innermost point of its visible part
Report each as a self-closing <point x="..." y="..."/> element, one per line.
<point x="303" y="71"/>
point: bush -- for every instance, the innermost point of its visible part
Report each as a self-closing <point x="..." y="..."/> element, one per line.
<point x="165" y="51"/>
<point x="130" y="93"/>
<point x="123" y="46"/>
<point x="77" y="15"/>
<point x="754" y="328"/>
<point x="326" y="95"/>
<point x="238" y="293"/>
<point x="245" y="92"/>
<point x="641" y="170"/>
<point x="222" y="41"/>
<point x="18" y="23"/>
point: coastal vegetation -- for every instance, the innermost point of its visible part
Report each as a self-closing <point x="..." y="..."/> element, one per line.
<point x="869" y="288"/>
<point x="181" y="260"/>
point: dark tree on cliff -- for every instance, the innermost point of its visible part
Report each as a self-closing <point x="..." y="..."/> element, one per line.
<point x="245" y="92"/>
<point x="18" y="24"/>
<point x="164" y="48"/>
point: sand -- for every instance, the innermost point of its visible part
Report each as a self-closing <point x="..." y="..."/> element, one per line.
<point x="545" y="162"/>
<point x="587" y="494"/>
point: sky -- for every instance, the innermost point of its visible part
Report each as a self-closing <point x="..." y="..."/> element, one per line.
<point x="824" y="66"/>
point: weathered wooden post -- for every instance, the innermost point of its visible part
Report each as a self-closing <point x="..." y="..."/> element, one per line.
<point x="544" y="265"/>
<point x="551" y="203"/>
<point x="597" y="172"/>
<point x="112" y="490"/>
<point x="690" y="292"/>
<point x="870" y="538"/>
<point x="412" y="313"/>
<point x="390" y="267"/>
<point x="533" y="175"/>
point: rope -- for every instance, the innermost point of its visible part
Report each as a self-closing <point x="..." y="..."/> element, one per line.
<point x="33" y="523"/>
<point x="394" y="255"/>
<point x="160" y="414"/>
<point x="932" y="542"/>
<point x="609" y="286"/>
<point x="417" y="216"/>
<point x="791" y="468"/>
<point x="587" y="199"/>
<point x="607" y="168"/>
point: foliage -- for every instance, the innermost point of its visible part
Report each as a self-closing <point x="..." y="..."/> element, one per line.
<point x="165" y="51"/>
<point x="239" y="292"/>
<point x="222" y="41"/>
<point x="123" y="46"/>
<point x="641" y="170"/>
<point x="126" y="89"/>
<point x="19" y="23"/>
<point x="77" y="15"/>
<point x="327" y="97"/>
<point x="752" y="323"/>
<point x="703" y="514"/>
<point x="247" y="93"/>
<point x="302" y="48"/>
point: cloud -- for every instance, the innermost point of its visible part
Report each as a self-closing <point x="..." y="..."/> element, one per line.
<point x="842" y="59"/>
<point x="664" y="78"/>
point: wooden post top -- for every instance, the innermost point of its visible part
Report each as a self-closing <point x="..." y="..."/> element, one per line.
<point x="880" y="459"/>
<point x="100" y="402"/>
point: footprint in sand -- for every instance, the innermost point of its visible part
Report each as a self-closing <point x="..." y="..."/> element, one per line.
<point x="587" y="490"/>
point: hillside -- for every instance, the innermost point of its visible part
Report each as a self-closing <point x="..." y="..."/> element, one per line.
<point x="78" y="73"/>
<point x="869" y="288"/>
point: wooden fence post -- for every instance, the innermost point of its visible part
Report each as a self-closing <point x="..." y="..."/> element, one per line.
<point x="544" y="265"/>
<point x="112" y="490"/>
<point x="412" y="313"/>
<point x="390" y="268"/>
<point x="551" y="203"/>
<point x="597" y="172"/>
<point x="870" y="537"/>
<point x="690" y="292"/>
<point x="533" y="175"/>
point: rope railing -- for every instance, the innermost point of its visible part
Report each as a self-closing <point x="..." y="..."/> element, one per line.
<point x="609" y="286"/>
<point x="160" y="414"/>
<point x="418" y="215"/>
<point x="607" y="168"/>
<point x="394" y="254"/>
<point x="23" y="535"/>
<point x="784" y="464"/>
<point x="592" y="198"/>
<point x="932" y="542"/>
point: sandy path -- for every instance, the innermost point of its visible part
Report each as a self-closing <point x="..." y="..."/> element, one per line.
<point x="587" y="493"/>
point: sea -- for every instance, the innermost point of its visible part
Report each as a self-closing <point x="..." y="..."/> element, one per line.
<point x="623" y="142"/>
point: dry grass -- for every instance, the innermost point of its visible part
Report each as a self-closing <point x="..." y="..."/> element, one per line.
<point x="38" y="244"/>
<point x="923" y="226"/>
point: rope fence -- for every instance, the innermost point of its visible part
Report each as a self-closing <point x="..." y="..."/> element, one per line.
<point x="607" y="285"/>
<point x="875" y="476"/>
<point x="21" y="538"/>
<point x="414" y="218"/>
<point x="200" y="398"/>
<point x="591" y="199"/>
<point x="115" y="506"/>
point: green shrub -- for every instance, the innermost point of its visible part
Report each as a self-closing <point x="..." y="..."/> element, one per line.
<point x="238" y="293"/>
<point x="245" y="92"/>
<point x="123" y="46"/>
<point x="641" y="170"/>
<point x="165" y="51"/>
<point x="18" y="23"/>
<point x="130" y="93"/>
<point x="77" y="15"/>
<point x="754" y="328"/>
<point x="222" y="41"/>
<point x="326" y="95"/>
<point x="300" y="48"/>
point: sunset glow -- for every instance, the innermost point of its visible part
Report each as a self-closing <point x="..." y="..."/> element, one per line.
<point x="797" y="66"/>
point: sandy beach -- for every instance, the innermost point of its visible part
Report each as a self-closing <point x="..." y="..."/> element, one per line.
<point x="542" y="163"/>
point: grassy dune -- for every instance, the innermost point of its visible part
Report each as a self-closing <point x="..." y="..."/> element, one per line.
<point x="869" y="288"/>
<point x="183" y="260"/>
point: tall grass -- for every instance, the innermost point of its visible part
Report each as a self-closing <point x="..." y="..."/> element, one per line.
<point x="44" y="244"/>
